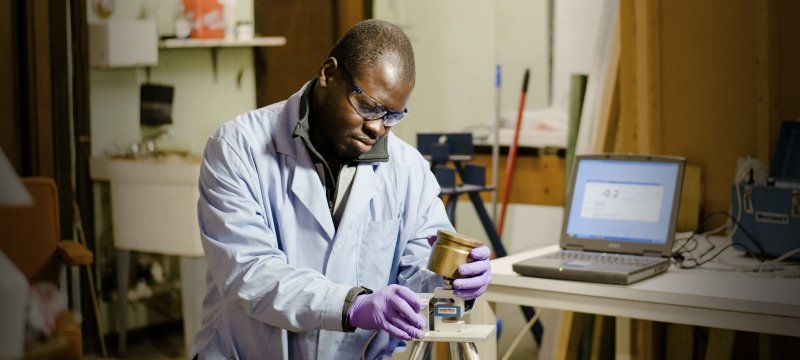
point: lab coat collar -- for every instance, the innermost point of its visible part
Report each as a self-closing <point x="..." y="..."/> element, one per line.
<point x="285" y="143"/>
<point x="302" y="178"/>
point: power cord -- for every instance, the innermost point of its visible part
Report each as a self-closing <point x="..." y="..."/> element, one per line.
<point x="683" y="254"/>
<point x="767" y="265"/>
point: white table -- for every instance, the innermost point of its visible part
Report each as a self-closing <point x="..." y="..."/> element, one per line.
<point x="703" y="297"/>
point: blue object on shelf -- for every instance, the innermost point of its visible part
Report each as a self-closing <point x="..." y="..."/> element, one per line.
<point x="769" y="225"/>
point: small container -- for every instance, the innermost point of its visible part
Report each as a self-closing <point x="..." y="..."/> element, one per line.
<point x="449" y="251"/>
<point x="244" y="31"/>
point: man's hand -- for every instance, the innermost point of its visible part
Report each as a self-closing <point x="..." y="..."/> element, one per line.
<point x="475" y="275"/>
<point x="393" y="309"/>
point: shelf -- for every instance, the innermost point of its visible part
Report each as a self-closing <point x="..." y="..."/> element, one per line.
<point x="216" y="43"/>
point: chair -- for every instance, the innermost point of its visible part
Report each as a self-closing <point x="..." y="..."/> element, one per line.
<point x="29" y="237"/>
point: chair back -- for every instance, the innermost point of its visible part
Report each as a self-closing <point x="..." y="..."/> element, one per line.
<point x="29" y="235"/>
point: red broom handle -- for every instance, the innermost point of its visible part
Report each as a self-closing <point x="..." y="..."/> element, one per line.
<point x="512" y="154"/>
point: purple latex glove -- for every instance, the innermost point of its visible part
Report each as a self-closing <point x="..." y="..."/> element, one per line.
<point x="393" y="309"/>
<point x="476" y="275"/>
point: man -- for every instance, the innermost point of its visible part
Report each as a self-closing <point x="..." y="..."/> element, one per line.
<point x="315" y="219"/>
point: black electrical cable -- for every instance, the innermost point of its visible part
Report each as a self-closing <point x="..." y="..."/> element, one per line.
<point x="761" y="254"/>
<point x="693" y="234"/>
<point x="679" y="256"/>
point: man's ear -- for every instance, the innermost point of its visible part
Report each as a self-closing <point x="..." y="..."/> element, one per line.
<point x="327" y="71"/>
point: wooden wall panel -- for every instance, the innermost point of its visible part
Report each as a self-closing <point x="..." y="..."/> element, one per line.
<point x="538" y="179"/>
<point x="708" y="87"/>
<point x="309" y="30"/>
<point x="36" y="95"/>
<point x="9" y="91"/>
<point x="788" y="70"/>
<point x="766" y="74"/>
<point x="348" y="13"/>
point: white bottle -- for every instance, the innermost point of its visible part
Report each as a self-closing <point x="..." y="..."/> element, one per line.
<point x="229" y="15"/>
<point x="183" y="28"/>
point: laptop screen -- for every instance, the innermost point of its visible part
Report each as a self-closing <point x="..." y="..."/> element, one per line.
<point x="625" y="200"/>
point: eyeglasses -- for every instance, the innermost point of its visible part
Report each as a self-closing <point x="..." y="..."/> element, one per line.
<point x="369" y="108"/>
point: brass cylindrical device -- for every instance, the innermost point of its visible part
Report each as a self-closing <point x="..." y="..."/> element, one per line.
<point x="449" y="251"/>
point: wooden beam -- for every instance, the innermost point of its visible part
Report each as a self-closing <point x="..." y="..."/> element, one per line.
<point x="680" y="342"/>
<point x="347" y="13"/>
<point x="627" y="130"/>
<point x="605" y="117"/>
<point x="648" y="85"/>
<point x="39" y="104"/>
<point x="623" y="347"/>
<point x="9" y="87"/>
<point x="569" y="336"/>
<point x="720" y="344"/>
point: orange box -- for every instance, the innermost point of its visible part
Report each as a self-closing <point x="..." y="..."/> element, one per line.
<point x="206" y="17"/>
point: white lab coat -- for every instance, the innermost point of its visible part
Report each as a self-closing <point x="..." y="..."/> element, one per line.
<point x="278" y="269"/>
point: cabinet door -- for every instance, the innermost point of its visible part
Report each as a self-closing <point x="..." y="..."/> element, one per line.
<point x="311" y="28"/>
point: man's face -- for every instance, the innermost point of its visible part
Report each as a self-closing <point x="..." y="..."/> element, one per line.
<point x="342" y="128"/>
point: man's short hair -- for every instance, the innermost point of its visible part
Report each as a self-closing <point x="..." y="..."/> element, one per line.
<point x="369" y="42"/>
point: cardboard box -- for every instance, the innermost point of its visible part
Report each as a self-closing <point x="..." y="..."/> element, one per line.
<point x="123" y="43"/>
<point x="206" y="17"/>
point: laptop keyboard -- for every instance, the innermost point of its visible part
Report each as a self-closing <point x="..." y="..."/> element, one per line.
<point x="603" y="258"/>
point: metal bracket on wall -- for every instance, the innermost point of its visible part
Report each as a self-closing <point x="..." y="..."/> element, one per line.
<point x="214" y="55"/>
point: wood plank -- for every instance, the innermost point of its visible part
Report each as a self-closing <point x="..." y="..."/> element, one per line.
<point x="766" y="76"/>
<point x="602" y="335"/>
<point x="569" y="335"/>
<point x="640" y="113"/>
<point x="649" y="339"/>
<point x="720" y="344"/>
<point x="627" y="130"/>
<point x="623" y="347"/>
<point x="281" y="71"/>
<point x="348" y="13"/>
<point x="787" y="54"/>
<point x="606" y="119"/>
<point x="680" y="342"/>
<point x="648" y="86"/>
<point x="764" y="346"/>
<point x="691" y="199"/>
<point x="38" y="106"/>
<point x="537" y="179"/>
<point x="9" y="87"/>
<point x="708" y="89"/>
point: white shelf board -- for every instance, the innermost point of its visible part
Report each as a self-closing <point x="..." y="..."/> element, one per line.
<point x="212" y="43"/>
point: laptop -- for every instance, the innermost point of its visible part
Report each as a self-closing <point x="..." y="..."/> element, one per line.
<point x="619" y="224"/>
